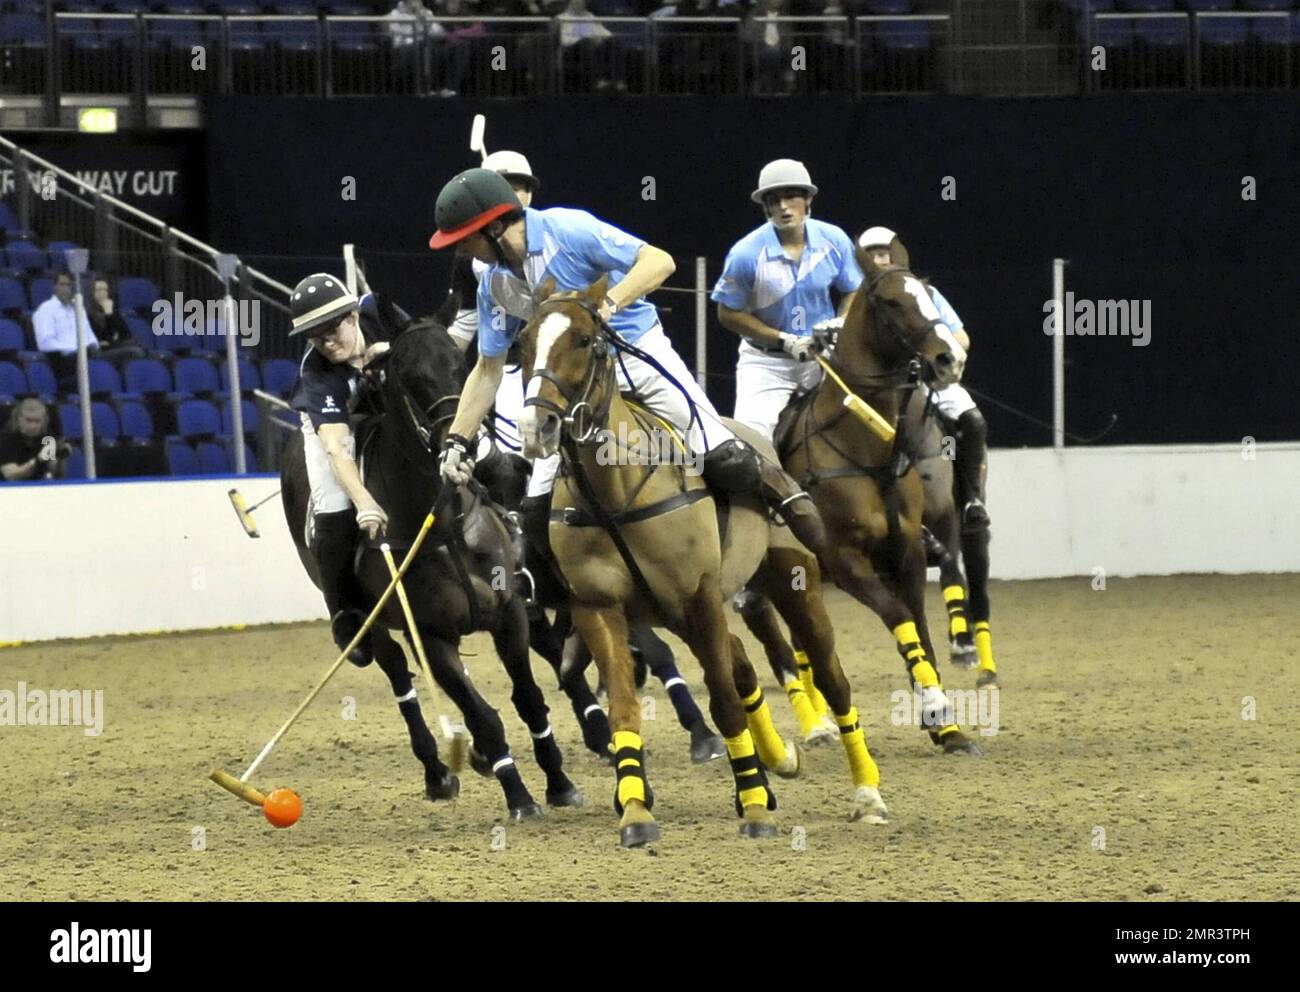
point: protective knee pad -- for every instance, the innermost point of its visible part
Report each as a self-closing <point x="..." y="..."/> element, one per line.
<point x="732" y="467"/>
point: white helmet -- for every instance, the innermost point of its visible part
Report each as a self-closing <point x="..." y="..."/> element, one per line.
<point x="782" y="174"/>
<point x="876" y="237"/>
<point x="513" y="165"/>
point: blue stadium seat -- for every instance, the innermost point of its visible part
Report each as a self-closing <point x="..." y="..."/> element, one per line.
<point x="75" y="468"/>
<point x="58" y="257"/>
<point x="250" y="459"/>
<point x="39" y="290"/>
<point x="141" y="331"/>
<point x="251" y="420"/>
<point x="8" y="219"/>
<point x="13" y="382"/>
<point x="40" y="378"/>
<point x="12" y="337"/>
<point x="214" y="459"/>
<point x="23" y="29"/>
<point x="136" y="295"/>
<point x="25" y="256"/>
<point x="181" y="459"/>
<point x="248" y="376"/>
<point x="103" y="377"/>
<point x="279" y="376"/>
<point x="103" y="419"/>
<point x="136" y="422"/>
<point x="12" y="295"/>
<point x="147" y="376"/>
<point x="197" y="418"/>
<point x="1224" y="32"/>
<point x="195" y="375"/>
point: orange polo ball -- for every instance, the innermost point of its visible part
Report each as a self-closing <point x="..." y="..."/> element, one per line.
<point x="282" y="808"/>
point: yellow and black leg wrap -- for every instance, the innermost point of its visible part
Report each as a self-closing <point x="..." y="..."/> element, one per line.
<point x="954" y="598"/>
<point x="751" y="777"/>
<point x="804" y="664"/>
<point x="803" y="708"/>
<point x="910" y="647"/>
<point x="984" y="645"/>
<point x="771" y="748"/>
<point x="629" y="769"/>
<point x="861" y="764"/>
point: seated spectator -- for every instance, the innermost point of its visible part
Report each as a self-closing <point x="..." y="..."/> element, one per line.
<point x="105" y="321"/>
<point x="27" y="450"/>
<point x="55" y="325"/>
<point x="770" y="45"/>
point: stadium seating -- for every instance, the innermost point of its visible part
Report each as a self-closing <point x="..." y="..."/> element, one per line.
<point x="195" y="375"/>
<point x="13" y="298"/>
<point x="279" y="376"/>
<point x="40" y="378"/>
<point x="135" y="420"/>
<point x="12" y="337"/>
<point x="249" y="379"/>
<point x="251" y="420"/>
<point x="13" y="381"/>
<point x="181" y="458"/>
<point x="39" y="289"/>
<point x="135" y="295"/>
<point x="197" y="419"/>
<point x="148" y="376"/>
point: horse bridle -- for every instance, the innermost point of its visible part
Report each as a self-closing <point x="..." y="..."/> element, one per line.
<point x="579" y="400"/>
<point x="901" y="338"/>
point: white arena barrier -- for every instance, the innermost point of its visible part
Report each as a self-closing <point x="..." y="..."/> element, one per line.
<point x="125" y="557"/>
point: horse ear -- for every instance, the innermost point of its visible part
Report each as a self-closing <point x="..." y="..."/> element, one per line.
<point x="446" y="313"/>
<point x="545" y="291"/>
<point x="597" y="290"/>
<point x="898" y="253"/>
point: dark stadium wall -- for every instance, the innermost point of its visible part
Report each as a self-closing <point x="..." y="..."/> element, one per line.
<point x="1143" y="195"/>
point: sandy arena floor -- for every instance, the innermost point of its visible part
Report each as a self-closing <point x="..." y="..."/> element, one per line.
<point x="1122" y="769"/>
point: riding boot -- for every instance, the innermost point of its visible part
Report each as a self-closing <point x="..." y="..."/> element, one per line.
<point x="737" y="467"/>
<point x="971" y="469"/>
<point x="333" y="544"/>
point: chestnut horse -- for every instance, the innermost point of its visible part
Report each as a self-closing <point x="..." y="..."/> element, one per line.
<point x="638" y="541"/>
<point x="869" y="496"/>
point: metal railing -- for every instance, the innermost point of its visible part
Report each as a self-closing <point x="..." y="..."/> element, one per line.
<point x="125" y="241"/>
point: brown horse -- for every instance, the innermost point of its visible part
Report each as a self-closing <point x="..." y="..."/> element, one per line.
<point x="638" y="541"/>
<point x="869" y="496"/>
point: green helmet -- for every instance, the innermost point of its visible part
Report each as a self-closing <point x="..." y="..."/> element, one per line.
<point x="470" y="202"/>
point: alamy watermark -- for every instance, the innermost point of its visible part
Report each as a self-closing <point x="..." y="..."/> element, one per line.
<point x="53" y="708"/>
<point x="191" y="317"/>
<point x="933" y="708"/>
<point x="1099" y="318"/>
<point x="656" y="446"/>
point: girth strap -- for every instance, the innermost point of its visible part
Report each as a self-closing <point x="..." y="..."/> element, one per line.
<point x="573" y="516"/>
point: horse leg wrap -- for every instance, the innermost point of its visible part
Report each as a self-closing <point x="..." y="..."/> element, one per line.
<point x="803" y="708"/>
<point x="751" y="779"/>
<point x="984" y="645"/>
<point x="955" y="599"/>
<point x="771" y="749"/>
<point x="854" y="738"/>
<point x="629" y="771"/>
<point x="804" y="664"/>
<point x="909" y="646"/>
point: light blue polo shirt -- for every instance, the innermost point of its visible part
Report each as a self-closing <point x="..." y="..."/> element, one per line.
<point x="573" y="248"/>
<point x="760" y="278"/>
<point x="945" y="309"/>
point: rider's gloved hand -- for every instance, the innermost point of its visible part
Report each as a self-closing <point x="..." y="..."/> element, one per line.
<point x="372" y="519"/>
<point x="801" y="349"/>
<point x="456" y="464"/>
<point x="826" y="332"/>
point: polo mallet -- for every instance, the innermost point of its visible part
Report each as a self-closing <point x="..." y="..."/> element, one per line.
<point x="476" y="137"/>
<point x="859" y="407"/>
<point x="239" y="786"/>
<point x="458" y="742"/>
<point x="245" y="512"/>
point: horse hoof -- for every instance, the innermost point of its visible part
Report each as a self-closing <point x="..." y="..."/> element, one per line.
<point x="638" y="834"/>
<point x="528" y="811"/>
<point x="790" y="767"/>
<point x="868" y="807"/>
<point x="480" y="764"/>
<point x="572" y="796"/>
<point x="821" y="735"/>
<point x="963" y="655"/>
<point x="958" y="743"/>
<point x="758" y="823"/>
<point x="705" y="744"/>
<point x="447" y="788"/>
<point x="986" y="678"/>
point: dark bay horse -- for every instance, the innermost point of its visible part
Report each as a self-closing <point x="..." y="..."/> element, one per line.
<point x="948" y="546"/>
<point x="639" y="542"/>
<point x="869" y="495"/>
<point x="462" y="580"/>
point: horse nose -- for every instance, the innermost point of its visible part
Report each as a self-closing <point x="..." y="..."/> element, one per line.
<point x="548" y="429"/>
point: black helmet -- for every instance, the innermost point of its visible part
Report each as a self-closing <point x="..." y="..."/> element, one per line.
<point x="319" y="302"/>
<point x="469" y="203"/>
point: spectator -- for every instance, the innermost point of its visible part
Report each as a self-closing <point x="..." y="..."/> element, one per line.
<point x="770" y="45"/>
<point x="55" y="325"/>
<point x="27" y="450"/>
<point x="105" y="321"/>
